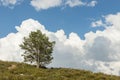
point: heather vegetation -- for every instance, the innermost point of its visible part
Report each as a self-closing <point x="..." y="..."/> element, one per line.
<point x="22" y="71"/>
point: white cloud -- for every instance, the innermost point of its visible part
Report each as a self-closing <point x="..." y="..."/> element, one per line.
<point x="73" y="3"/>
<point x="92" y="3"/>
<point x="97" y="23"/>
<point x="99" y="52"/>
<point x="10" y="3"/>
<point x="46" y="4"/>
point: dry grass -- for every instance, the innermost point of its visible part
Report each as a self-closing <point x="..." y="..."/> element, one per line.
<point x="21" y="71"/>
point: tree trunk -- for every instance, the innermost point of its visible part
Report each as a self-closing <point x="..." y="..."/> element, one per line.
<point x="38" y="65"/>
<point x="38" y="59"/>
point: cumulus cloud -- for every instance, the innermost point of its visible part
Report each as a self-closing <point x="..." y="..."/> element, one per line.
<point x="73" y="3"/>
<point x="99" y="51"/>
<point x="97" y="23"/>
<point x="92" y="3"/>
<point x="10" y="3"/>
<point x="45" y="4"/>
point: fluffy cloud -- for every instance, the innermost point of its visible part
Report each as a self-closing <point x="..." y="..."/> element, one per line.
<point x="97" y="23"/>
<point x="99" y="51"/>
<point x="10" y="3"/>
<point x="45" y="4"/>
<point x="103" y="48"/>
<point x="73" y="3"/>
<point x="92" y="3"/>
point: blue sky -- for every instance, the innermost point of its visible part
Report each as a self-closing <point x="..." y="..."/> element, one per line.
<point x="71" y="19"/>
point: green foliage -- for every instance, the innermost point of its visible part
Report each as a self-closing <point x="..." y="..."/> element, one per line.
<point x="37" y="48"/>
<point x="24" y="71"/>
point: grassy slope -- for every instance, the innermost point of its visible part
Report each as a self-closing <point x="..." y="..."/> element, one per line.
<point x="28" y="72"/>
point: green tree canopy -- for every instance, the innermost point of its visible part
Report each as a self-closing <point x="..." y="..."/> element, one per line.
<point x="37" y="48"/>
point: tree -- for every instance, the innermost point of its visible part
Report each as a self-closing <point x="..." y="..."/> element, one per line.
<point x="37" y="48"/>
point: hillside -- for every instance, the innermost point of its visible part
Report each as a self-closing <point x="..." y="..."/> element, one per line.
<point x="21" y="71"/>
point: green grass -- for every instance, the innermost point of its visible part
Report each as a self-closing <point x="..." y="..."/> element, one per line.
<point x="27" y="72"/>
